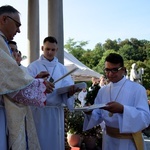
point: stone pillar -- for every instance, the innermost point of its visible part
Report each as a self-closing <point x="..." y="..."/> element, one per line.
<point x="55" y="25"/>
<point x="33" y="30"/>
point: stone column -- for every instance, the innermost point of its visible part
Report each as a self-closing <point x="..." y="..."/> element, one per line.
<point x="55" y="25"/>
<point x="33" y="30"/>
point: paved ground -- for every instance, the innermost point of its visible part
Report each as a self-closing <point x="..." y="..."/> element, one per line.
<point x="147" y="141"/>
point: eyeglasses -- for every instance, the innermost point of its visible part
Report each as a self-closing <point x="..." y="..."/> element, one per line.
<point x="113" y="70"/>
<point x="16" y="22"/>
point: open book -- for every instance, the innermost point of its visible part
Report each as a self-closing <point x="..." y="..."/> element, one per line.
<point x="66" y="88"/>
<point x="89" y="108"/>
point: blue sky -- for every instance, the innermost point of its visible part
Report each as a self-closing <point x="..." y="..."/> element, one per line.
<point x="97" y="20"/>
<point x="91" y="20"/>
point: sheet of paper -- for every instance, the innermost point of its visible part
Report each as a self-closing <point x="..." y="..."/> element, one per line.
<point x="66" y="88"/>
<point x="89" y="108"/>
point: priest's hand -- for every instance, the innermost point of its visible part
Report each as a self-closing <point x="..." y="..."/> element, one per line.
<point x="43" y="75"/>
<point x="49" y="87"/>
<point x="114" y="107"/>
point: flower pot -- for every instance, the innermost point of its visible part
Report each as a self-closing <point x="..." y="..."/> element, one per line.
<point x="74" y="140"/>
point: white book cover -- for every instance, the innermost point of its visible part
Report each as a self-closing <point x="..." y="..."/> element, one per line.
<point x="89" y="108"/>
<point x="66" y="88"/>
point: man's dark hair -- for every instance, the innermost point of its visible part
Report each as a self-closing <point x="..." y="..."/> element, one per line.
<point x="50" y="39"/>
<point x="8" y="9"/>
<point x="12" y="42"/>
<point x="115" y="59"/>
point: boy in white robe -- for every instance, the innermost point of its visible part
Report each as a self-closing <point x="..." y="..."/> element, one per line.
<point x="126" y="113"/>
<point x="49" y="120"/>
<point x="17" y="54"/>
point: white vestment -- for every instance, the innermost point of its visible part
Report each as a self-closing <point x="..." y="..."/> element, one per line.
<point x="135" y="117"/>
<point x="49" y="120"/>
<point x="17" y="89"/>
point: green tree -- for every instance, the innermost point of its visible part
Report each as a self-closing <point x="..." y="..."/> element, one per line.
<point x="124" y="42"/>
<point x="109" y="44"/>
<point x="76" y="48"/>
<point x="87" y="58"/>
<point x="147" y="48"/>
<point x="94" y="56"/>
<point x="127" y="51"/>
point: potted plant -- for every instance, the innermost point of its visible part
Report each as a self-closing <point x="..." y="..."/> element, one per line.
<point x="75" y="127"/>
<point x="91" y="138"/>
